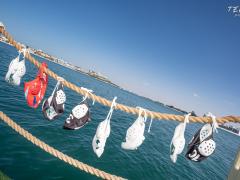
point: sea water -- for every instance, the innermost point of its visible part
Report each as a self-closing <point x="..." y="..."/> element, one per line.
<point x="20" y="159"/>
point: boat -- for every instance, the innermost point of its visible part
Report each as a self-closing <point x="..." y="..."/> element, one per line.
<point x="230" y="129"/>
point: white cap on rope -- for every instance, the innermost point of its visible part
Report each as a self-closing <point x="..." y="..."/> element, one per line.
<point x="2" y="25"/>
<point x="103" y="132"/>
<point x="135" y="133"/>
<point x="178" y="140"/>
<point x="16" y="69"/>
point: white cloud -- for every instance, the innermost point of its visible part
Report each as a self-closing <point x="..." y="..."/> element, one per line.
<point x="195" y="95"/>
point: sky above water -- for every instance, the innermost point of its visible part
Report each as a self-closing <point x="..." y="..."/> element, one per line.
<point x="182" y="53"/>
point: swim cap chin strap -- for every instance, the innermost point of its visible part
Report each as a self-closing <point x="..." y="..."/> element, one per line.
<point x="88" y="93"/>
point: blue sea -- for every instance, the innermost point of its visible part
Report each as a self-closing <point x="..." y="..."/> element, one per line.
<point x="20" y="159"/>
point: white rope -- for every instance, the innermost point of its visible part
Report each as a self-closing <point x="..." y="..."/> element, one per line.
<point x="113" y="105"/>
<point x="59" y="80"/>
<point x="111" y="109"/>
<point x="150" y="125"/>
<point x="142" y="110"/>
<point x="88" y="92"/>
<point x="24" y="50"/>
<point x="214" y="121"/>
<point x="186" y="120"/>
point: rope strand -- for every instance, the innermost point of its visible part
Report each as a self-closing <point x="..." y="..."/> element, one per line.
<point x="105" y="102"/>
<point x="55" y="152"/>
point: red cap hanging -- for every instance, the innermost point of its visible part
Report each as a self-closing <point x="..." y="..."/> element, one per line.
<point x="35" y="89"/>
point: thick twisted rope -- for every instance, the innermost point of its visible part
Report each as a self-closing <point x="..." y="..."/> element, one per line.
<point x="154" y="115"/>
<point x="55" y="152"/>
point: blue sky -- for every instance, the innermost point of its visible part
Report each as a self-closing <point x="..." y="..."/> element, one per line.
<point x="180" y="53"/>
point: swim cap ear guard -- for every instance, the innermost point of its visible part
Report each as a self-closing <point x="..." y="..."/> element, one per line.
<point x="80" y="115"/>
<point x="16" y="69"/>
<point x="202" y="144"/>
<point x="178" y="140"/>
<point x="135" y="133"/>
<point x="103" y="132"/>
<point x="54" y="106"/>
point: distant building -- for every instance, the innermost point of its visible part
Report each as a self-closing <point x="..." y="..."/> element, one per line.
<point x="231" y="129"/>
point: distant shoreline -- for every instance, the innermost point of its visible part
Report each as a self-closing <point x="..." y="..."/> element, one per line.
<point x="77" y="69"/>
